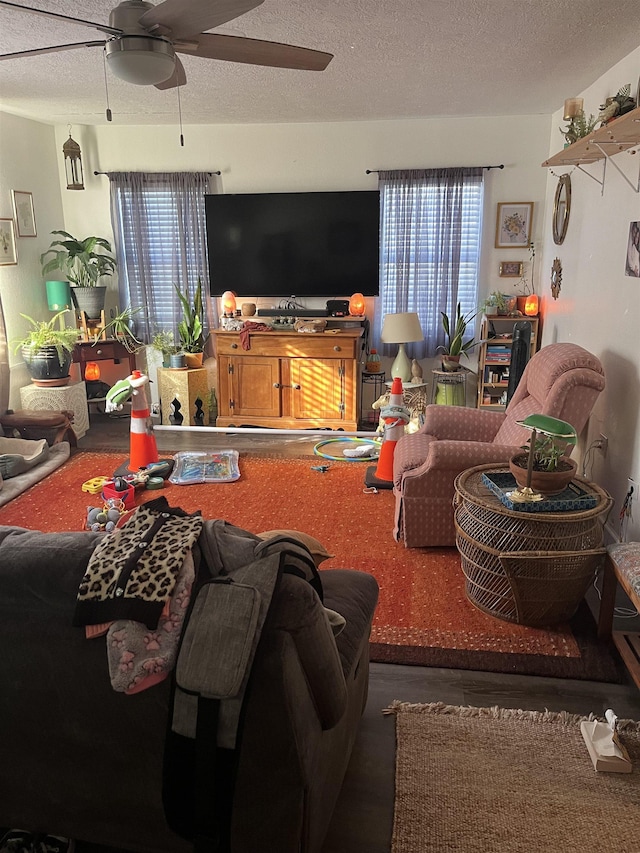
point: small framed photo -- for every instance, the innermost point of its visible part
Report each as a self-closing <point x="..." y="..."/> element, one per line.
<point x="513" y="224"/>
<point x="511" y="269"/>
<point x="8" y="252"/>
<point x="24" y="214"/>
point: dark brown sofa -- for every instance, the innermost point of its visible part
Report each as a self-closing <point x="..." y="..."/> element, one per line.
<point x="82" y="761"/>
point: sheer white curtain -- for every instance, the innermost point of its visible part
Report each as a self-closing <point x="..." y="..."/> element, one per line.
<point x="431" y="222"/>
<point x="159" y="223"/>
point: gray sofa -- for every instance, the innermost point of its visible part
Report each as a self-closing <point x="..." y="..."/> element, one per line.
<point x="82" y="761"/>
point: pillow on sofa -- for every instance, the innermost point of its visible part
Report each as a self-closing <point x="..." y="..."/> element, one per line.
<point x="317" y="549"/>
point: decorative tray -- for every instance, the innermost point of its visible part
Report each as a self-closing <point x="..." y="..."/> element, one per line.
<point x="201" y="467"/>
<point x="574" y="497"/>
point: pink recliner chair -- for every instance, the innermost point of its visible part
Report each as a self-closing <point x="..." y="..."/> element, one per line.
<point x="561" y="380"/>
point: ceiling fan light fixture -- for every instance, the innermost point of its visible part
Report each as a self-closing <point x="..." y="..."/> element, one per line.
<point x="141" y="60"/>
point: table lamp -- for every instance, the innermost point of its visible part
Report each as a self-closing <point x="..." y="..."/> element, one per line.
<point x="58" y="295"/>
<point x="401" y="329"/>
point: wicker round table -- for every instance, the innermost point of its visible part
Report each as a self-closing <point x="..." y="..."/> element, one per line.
<point x="532" y="568"/>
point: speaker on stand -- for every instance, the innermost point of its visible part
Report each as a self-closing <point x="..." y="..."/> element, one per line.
<point x="519" y="355"/>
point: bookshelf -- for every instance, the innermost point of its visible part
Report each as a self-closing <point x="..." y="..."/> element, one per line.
<point x="495" y="358"/>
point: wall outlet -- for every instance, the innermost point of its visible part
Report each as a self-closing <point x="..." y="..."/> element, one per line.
<point x="603" y="444"/>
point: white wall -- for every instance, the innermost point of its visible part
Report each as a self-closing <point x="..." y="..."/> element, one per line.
<point x="599" y="306"/>
<point x="28" y="161"/>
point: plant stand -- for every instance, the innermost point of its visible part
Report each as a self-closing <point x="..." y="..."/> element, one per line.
<point x="180" y="391"/>
<point x="90" y="330"/>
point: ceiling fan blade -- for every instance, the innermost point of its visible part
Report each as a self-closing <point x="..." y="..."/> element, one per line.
<point x="254" y="52"/>
<point x="184" y="18"/>
<point x="102" y="27"/>
<point x="178" y="78"/>
<point x="55" y="49"/>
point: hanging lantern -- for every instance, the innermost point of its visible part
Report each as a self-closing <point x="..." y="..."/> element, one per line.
<point x="228" y="303"/>
<point x="92" y="371"/>
<point x="531" y="305"/>
<point x="356" y="305"/>
<point x="73" y="164"/>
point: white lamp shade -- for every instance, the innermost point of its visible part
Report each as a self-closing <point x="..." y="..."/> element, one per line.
<point x="401" y="328"/>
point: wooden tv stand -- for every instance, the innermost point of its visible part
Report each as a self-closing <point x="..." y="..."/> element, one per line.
<point x="288" y="379"/>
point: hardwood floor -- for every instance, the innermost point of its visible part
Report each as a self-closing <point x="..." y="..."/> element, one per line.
<point x="363" y="818"/>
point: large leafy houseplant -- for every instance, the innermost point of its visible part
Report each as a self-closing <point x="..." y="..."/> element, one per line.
<point x="47" y="348"/>
<point x="83" y="262"/>
<point x="191" y="327"/>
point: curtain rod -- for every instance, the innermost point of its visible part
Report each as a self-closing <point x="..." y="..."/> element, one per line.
<point x="208" y="173"/>
<point x="371" y="171"/>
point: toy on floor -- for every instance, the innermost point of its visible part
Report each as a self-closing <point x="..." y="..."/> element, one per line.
<point x="104" y="518"/>
<point x="358" y="449"/>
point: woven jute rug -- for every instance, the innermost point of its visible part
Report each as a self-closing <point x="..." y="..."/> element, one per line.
<point x="492" y="780"/>
<point x="423" y="615"/>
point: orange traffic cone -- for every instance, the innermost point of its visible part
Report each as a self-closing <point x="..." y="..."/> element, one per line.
<point x="142" y="448"/>
<point x="382" y="475"/>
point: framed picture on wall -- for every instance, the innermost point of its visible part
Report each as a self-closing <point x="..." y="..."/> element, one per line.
<point x="513" y="224"/>
<point x="511" y="269"/>
<point x="24" y="213"/>
<point x="632" y="264"/>
<point x="8" y="252"/>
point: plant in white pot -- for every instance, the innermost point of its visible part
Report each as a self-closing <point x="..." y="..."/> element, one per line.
<point x="543" y="469"/>
<point x="47" y="350"/>
<point x="84" y="263"/>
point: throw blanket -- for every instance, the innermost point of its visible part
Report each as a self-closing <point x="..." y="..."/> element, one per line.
<point x="246" y="330"/>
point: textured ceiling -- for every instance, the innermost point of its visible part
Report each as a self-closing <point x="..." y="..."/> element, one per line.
<point x="402" y="59"/>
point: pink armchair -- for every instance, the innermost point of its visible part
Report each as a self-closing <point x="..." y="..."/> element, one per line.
<point x="561" y="380"/>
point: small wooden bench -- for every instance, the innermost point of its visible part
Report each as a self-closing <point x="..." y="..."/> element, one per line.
<point x="622" y="565"/>
<point x="36" y="423"/>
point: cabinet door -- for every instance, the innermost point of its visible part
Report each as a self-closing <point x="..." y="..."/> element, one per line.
<point x="250" y="387"/>
<point x="318" y="388"/>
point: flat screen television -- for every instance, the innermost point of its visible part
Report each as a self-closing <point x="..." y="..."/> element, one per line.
<point x="294" y="244"/>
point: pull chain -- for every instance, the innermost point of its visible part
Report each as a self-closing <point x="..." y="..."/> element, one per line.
<point x="106" y="86"/>
<point x="180" y="116"/>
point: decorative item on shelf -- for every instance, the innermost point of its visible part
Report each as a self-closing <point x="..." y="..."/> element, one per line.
<point x="579" y="125"/>
<point x="373" y="362"/>
<point x="248" y="309"/>
<point x="357" y="305"/>
<point x="532" y="305"/>
<point x="499" y="303"/>
<point x="228" y="299"/>
<point x="47" y="350"/>
<point x="84" y="263"/>
<point x="455" y="345"/>
<point x="73" y="164"/>
<point x="618" y="105"/>
<point x="416" y="372"/>
<point x="401" y="329"/>
<point x="556" y="278"/>
<point x="191" y="327"/>
<point x="92" y="371"/>
<point x="543" y="470"/>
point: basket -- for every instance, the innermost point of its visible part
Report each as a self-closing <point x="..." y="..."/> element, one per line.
<point x="528" y="568"/>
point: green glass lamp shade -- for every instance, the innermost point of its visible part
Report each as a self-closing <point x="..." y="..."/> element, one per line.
<point x="58" y="295"/>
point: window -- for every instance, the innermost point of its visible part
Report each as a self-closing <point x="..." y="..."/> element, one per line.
<point x="159" y="223"/>
<point x="431" y="222"/>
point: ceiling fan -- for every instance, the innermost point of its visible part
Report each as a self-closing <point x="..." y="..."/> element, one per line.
<point x="143" y="40"/>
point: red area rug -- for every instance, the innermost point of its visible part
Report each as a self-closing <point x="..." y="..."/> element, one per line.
<point x="423" y="616"/>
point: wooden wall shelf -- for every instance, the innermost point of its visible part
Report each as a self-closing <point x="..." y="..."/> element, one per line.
<point x="619" y="135"/>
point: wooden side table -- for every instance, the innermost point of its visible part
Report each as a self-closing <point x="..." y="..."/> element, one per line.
<point x="72" y="397"/>
<point x="532" y="568"/>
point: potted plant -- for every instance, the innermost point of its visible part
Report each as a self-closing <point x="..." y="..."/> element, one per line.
<point x="455" y="345"/>
<point x="119" y="326"/>
<point x="543" y="469"/>
<point x="191" y="327"/>
<point x="47" y="350"/>
<point x="499" y="303"/>
<point x="84" y="263"/>
<point x="164" y="341"/>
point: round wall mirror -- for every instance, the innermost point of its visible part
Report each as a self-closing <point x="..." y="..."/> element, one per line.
<point x="561" y="209"/>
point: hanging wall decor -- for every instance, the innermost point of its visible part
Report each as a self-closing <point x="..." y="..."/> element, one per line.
<point x="8" y="251"/>
<point x="73" y="164"/>
<point x="513" y="224"/>
<point x="25" y="217"/>
<point x="556" y="278"/>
